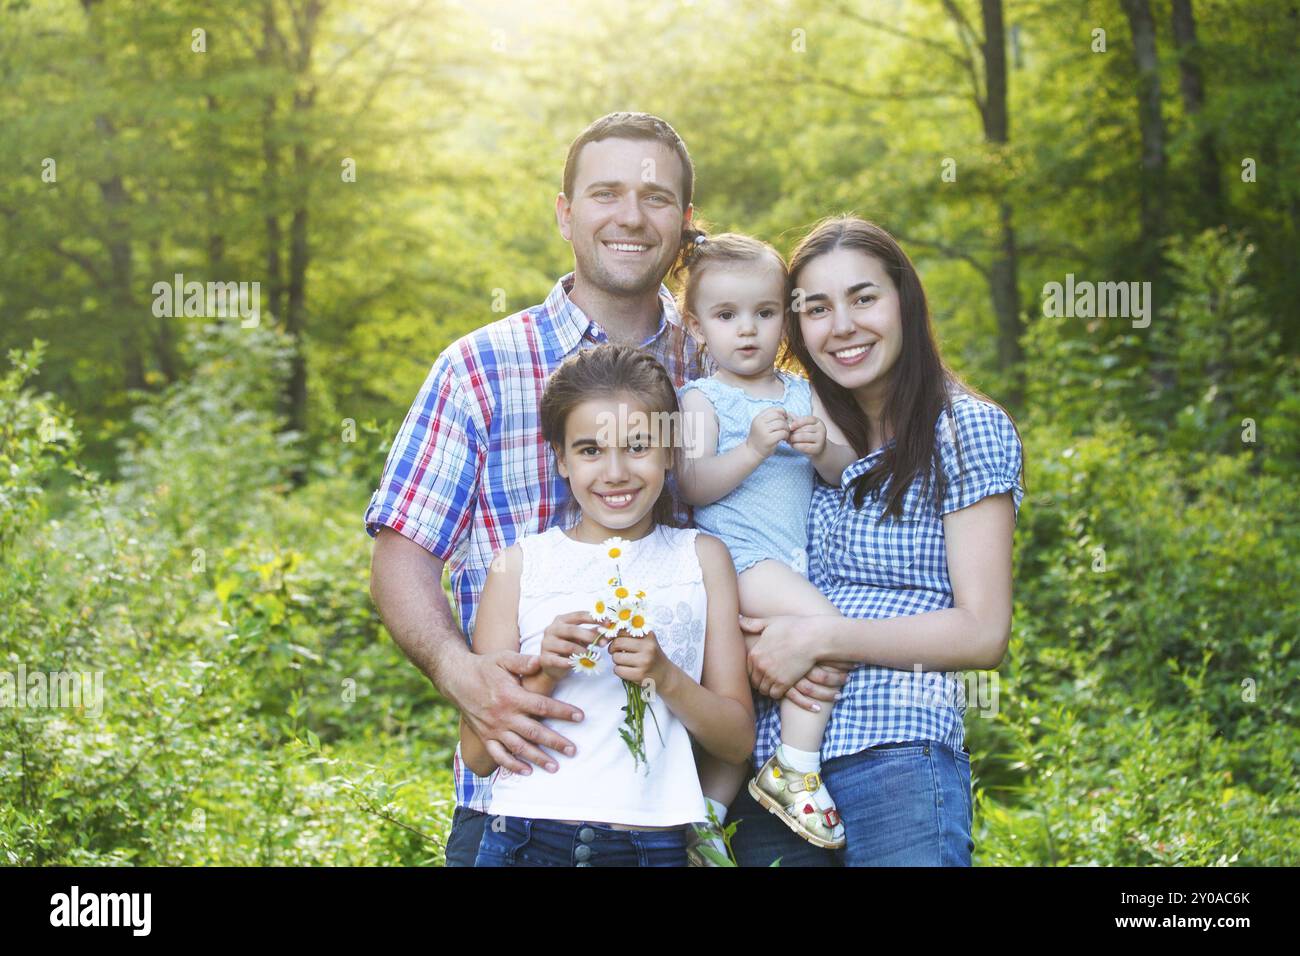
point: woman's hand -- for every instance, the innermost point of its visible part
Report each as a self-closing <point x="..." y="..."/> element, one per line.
<point x="783" y="653"/>
<point x="820" y="686"/>
<point x="563" y="637"/>
<point x="640" y="660"/>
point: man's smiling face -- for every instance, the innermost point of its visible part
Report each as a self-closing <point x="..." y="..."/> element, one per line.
<point x="625" y="217"/>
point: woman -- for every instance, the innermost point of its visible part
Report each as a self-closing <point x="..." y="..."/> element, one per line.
<point x="913" y="547"/>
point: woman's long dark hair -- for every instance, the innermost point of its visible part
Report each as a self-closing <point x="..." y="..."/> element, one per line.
<point x="604" y="371"/>
<point x="921" y="384"/>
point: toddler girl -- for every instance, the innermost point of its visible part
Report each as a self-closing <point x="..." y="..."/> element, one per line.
<point x="754" y="436"/>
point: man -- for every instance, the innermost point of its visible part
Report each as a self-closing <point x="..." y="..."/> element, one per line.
<point x="469" y="472"/>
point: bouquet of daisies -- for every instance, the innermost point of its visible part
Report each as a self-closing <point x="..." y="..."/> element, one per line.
<point x="621" y="611"/>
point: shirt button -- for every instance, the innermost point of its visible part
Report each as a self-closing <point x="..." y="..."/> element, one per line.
<point x="586" y="834"/>
<point x="583" y="853"/>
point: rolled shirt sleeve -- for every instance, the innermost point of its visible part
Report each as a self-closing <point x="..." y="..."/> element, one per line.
<point x="431" y="478"/>
<point x="981" y="454"/>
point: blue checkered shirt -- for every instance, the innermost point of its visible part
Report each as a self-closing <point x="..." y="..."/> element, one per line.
<point x="897" y="567"/>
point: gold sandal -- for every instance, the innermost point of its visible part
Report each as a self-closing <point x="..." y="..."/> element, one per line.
<point x="788" y="794"/>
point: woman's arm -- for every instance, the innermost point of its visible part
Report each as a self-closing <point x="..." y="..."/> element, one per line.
<point x="496" y="628"/>
<point x="718" y="712"/>
<point x="707" y="476"/>
<point x="973" y="634"/>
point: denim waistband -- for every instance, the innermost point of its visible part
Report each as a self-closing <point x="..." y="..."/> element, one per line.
<point x="596" y="833"/>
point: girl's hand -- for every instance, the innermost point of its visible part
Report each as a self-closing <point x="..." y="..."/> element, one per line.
<point x="782" y="654"/>
<point x="768" y="429"/>
<point x="808" y="435"/>
<point x="640" y="659"/>
<point x="563" y="637"/>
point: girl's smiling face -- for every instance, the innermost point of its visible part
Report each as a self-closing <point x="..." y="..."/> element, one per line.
<point x="851" y="320"/>
<point x="736" y="308"/>
<point x="616" y="468"/>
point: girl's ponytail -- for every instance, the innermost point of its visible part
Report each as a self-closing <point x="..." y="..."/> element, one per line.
<point x="693" y="242"/>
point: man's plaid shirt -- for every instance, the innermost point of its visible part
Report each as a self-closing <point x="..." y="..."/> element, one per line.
<point x="469" y="472"/>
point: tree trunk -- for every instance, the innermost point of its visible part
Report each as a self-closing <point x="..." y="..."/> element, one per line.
<point x="271" y="173"/>
<point x="118" y="243"/>
<point x="1004" y="275"/>
<point x="1152" y="125"/>
<point x="299" y="249"/>
<point x="1191" y="85"/>
<point x="296" y="317"/>
<point x="212" y="195"/>
<point x="164" y="335"/>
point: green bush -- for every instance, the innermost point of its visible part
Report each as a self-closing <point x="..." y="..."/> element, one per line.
<point x="230" y="620"/>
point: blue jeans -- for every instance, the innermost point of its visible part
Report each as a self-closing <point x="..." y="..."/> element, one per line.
<point x="906" y="804"/>
<point x="466" y="834"/>
<point x="522" y="841"/>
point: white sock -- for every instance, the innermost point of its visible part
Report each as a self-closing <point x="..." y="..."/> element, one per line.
<point x="808" y="761"/>
<point x="805" y="761"/>
<point x="719" y="809"/>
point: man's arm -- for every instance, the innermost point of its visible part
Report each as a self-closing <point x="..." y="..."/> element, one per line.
<point x="406" y="584"/>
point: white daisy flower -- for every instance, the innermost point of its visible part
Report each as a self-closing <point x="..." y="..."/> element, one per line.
<point x="638" y="625"/>
<point x="587" y="663"/>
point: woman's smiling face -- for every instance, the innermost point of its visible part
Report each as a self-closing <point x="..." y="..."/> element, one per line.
<point x="851" y="320"/>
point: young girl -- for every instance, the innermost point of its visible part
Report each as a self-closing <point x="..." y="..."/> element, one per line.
<point x="603" y="807"/>
<point x="757" y="433"/>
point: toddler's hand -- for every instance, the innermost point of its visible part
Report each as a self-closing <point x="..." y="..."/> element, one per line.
<point x="769" y="429"/>
<point x="808" y="435"/>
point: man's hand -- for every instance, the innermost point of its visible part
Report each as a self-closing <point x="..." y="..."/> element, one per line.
<point x="503" y="714"/>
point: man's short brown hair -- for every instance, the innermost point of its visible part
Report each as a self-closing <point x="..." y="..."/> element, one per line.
<point x="631" y="126"/>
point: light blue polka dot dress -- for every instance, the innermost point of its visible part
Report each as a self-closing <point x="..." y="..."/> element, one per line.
<point x="767" y="515"/>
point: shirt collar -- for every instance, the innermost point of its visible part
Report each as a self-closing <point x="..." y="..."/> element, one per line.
<point x="565" y="325"/>
<point x="862" y="465"/>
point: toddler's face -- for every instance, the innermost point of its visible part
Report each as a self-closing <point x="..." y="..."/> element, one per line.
<point x="737" y="311"/>
<point x="615" y="458"/>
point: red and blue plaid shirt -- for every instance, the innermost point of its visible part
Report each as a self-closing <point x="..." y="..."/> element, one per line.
<point x="469" y="472"/>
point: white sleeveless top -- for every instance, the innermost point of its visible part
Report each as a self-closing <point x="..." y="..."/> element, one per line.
<point x="601" y="783"/>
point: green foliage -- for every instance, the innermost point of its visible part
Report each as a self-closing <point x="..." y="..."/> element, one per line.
<point x="1145" y="715"/>
<point x="220" y="648"/>
<point x="1122" y="786"/>
<point x="255" y="713"/>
